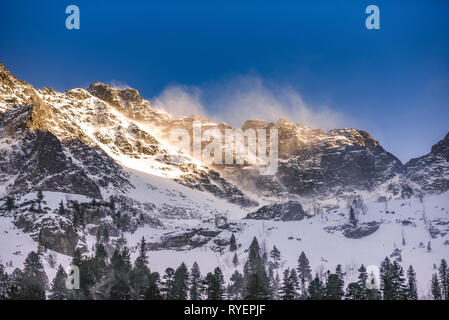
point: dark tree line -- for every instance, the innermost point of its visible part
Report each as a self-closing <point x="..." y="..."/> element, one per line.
<point x="117" y="278"/>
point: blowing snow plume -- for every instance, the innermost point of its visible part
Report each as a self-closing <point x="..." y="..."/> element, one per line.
<point x="246" y="97"/>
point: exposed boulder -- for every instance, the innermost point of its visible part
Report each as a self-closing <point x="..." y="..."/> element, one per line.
<point x="288" y="211"/>
<point x="361" y="230"/>
<point x="185" y="239"/>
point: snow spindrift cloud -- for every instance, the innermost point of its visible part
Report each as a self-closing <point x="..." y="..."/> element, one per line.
<point x="241" y="98"/>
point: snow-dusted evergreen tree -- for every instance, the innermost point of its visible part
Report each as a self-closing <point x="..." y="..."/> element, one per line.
<point x="4" y="281"/>
<point x="167" y="283"/>
<point x="61" y="209"/>
<point x="362" y="279"/>
<point x="195" y="282"/>
<point x="359" y="290"/>
<point x="412" y="290"/>
<point x="215" y="285"/>
<point x="316" y="289"/>
<point x="352" y="217"/>
<point x="435" y="287"/>
<point x="235" y="260"/>
<point x="275" y="256"/>
<point x="443" y="273"/>
<point x="295" y="282"/>
<point x="398" y="282"/>
<point x="35" y="281"/>
<point x="233" y="243"/>
<point x="236" y="287"/>
<point x="118" y="283"/>
<point x="99" y="262"/>
<point x="40" y="198"/>
<point x="255" y="275"/>
<point x="353" y="291"/>
<point x="15" y="285"/>
<point x="10" y="203"/>
<point x="304" y="274"/>
<point x="152" y="292"/>
<point x="334" y="286"/>
<point x="181" y="282"/>
<point x="139" y="277"/>
<point x="58" y="290"/>
<point x="275" y="284"/>
<point x="287" y="290"/>
<point x="386" y="279"/>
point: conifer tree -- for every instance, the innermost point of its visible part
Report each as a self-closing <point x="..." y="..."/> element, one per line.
<point x="412" y="290"/>
<point x="353" y="291"/>
<point x="436" y="290"/>
<point x="220" y="283"/>
<point x="287" y="290"/>
<point x="295" y="283"/>
<point x="4" y="279"/>
<point x="152" y="291"/>
<point x="61" y="209"/>
<point x="361" y="283"/>
<point x="58" y="289"/>
<point x="119" y="282"/>
<point x="275" y="256"/>
<point x="333" y="289"/>
<point x="142" y="259"/>
<point x="443" y="273"/>
<point x="352" y="218"/>
<point x="276" y="285"/>
<point x="235" y="260"/>
<point x="195" y="282"/>
<point x="100" y="262"/>
<point x="214" y="285"/>
<point x="14" y="291"/>
<point x="233" y="243"/>
<point x="340" y="275"/>
<point x="40" y="198"/>
<point x="236" y="287"/>
<point x="386" y="279"/>
<point x="139" y="277"/>
<point x="105" y="235"/>
<point x="35" y="281"/>
<point x="316" y="289"/>
<point x="167" y="283"/>
<point x="126" y="255"/>
<point x="398" y="282"/>
<point x="10" y="203"/>
<point x="181" y="282"/>
<point x="256" y="279"/>
<point x="304" y="274"/>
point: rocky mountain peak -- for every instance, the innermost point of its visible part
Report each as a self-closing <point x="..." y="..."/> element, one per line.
<point x="126" y="100"/>
<point x="431" y="171"/>
<point x="442" y="147"/>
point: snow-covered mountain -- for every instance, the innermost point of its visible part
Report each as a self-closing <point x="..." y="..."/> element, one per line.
<point x="76" y="162"/>
<point x="431" y="171"/>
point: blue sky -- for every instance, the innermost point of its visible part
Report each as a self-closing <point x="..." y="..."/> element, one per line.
<point x="392" y="82"/>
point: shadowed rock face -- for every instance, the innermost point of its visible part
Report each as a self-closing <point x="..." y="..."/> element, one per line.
<point x="431" y="172"/>
<point x="58" y="235"/>
<point x="332" y="164"/>
<point x="288" y="211"/>
<point x="39" y="163"/>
